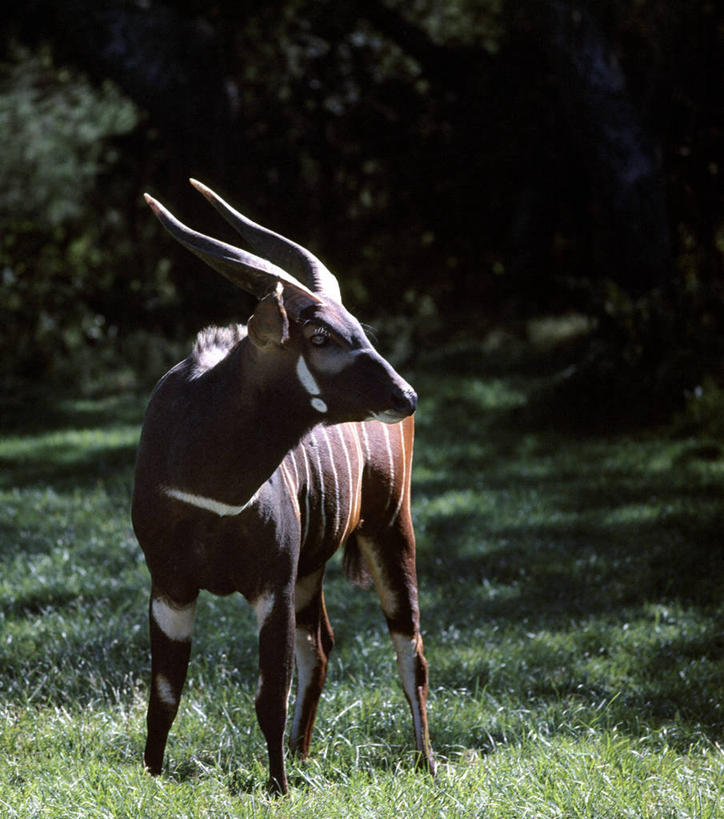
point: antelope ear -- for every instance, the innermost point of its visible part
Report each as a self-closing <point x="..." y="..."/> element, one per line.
<point x="269" y="324"/>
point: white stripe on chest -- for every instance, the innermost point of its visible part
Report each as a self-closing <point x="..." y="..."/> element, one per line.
<point x="209" y="504"/>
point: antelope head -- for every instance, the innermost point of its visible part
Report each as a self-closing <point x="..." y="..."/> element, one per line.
<point x="302" y="334"/>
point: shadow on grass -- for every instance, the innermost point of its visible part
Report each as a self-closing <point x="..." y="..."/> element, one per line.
<point x="527" y="526"/>
<point x="62" y="467"/>
<point x="30" y="414"/>
<point x="70" y="443"/>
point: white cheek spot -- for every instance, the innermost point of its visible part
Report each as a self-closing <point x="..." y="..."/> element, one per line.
<point x="307" y="379"/>
<point x="164" y="690"/>
<point x="318" y="405"/>
<point x="175" y="623"/>
<point x="263" y="606"/>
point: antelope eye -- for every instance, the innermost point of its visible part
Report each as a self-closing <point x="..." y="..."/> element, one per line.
<point x="319" y="338"/>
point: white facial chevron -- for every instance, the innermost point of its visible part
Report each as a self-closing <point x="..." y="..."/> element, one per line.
<point x="309" y="383"/>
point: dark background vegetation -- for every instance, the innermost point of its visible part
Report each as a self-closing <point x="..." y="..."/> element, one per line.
<point x="462" y="166"/>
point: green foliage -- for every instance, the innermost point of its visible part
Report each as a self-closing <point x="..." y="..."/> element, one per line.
<point x="571" y="608"/>
<point x="54" y="256"/>
<point x="61" y="128"/>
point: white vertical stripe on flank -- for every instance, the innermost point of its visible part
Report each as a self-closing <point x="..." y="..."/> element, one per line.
<point x="365" y="440"/>
<point x="291" y="457"/>
<point x="320" y="489"/>
<point x="360" y="471"/>
<point x="291" y="488"/>
<point x="403" y="483"/>
<point x="336" y="479"/>
<point x="305" y="517"/>
<point x="391" y="459"/>
<point x="347" y="500"/>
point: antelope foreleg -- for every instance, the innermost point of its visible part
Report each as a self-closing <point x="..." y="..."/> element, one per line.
<point x="275" y="615"/>
<point x="170" y="626"/>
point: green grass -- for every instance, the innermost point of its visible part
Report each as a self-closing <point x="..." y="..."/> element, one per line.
<point x="571" y="592"/>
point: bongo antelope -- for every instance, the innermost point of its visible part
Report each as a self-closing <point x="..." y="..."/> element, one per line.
<point x="261" y="453"/>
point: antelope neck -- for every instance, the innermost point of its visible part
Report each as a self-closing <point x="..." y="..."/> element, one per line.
<point x="242" y="427"/>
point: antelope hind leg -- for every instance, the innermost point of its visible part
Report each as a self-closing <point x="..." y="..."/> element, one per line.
<point x="314" y="640"/>
<point x="390" y="559"/>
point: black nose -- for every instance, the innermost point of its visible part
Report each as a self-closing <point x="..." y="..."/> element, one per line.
<point x="404" y="401"/>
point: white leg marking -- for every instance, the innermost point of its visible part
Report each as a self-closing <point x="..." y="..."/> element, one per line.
<point x="263" y="606"/>
<point x="176" y="623"/>
<point x="209" y="504"/>
<point x="318" y="404"/>
<point x="164" y="690"/>
<point x="406" y="649"/>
